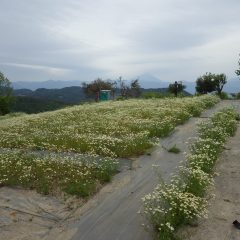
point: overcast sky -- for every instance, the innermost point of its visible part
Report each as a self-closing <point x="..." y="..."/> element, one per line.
<point x="85" y="39"/>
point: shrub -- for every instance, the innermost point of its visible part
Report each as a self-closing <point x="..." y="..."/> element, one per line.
<point x="223" y="95"/>
<point x="238" y="96"/>
<point x="170" y="206"/>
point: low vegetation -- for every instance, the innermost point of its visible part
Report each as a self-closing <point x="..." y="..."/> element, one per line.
<point x="183" y="199"/>
<point x="109" y="129"/>
<point x="174" y="149"/>
<point x="53" y="173"/>
<point x="12" y="115"/>
<point x="114" y="128"/>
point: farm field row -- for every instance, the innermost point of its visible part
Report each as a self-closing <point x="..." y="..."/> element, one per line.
<point x="184" y="200"/>
<point x="73" y="175"/>
<point x="113" y="129"/>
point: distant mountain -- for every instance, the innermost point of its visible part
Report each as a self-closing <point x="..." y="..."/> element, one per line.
<point x="69" y="95"/>
<point x="146" y="81"/>
<point x="149" y="81"/>
<point x="50" y="84"/>
<point x="232" y="86"/>
<point x="190" y="87"/>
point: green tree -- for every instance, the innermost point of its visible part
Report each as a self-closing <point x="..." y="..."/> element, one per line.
<point x="210" y="82"/>
<point x="6" y="97"/>
<point x="220" y="80"/>
<point x="176" y="88"/>
<point x="93" y="88"/>
<point x="205" y="84"/>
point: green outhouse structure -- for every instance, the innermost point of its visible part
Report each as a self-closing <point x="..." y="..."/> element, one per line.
<point x="105" y="95"/>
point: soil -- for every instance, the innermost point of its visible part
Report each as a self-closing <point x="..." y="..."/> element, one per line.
<point x="112" y="214"/>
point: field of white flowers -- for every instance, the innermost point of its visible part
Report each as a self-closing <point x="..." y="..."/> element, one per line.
<point x="183" y="200"/>
<point x="114" y="129"/>
<point x="53" y="174"/>
<point x="108" y="129"/>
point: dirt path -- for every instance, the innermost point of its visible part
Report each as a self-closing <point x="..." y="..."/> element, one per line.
<point x="112" y="213"/>
<point x="225" y="207"/>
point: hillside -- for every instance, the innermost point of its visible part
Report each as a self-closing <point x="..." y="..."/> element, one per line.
<point x="70" y="95"/>
<point x="147" y="81"/>
<point x="35" y="105"/>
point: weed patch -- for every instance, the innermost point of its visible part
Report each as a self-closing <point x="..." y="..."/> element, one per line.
<point x="174" y="149"/>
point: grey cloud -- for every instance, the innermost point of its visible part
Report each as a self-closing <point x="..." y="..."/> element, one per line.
<point x="104" y="38"/>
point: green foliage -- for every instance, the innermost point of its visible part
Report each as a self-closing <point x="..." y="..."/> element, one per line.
<point x="120" y="98"/>
<point x="67" y="95"/>
<point x="211" y="82"/>
<point x="174" y="149"/>
<point x="223" y="96"/>
<point x="176" y="88"/>
<point x="220" y="80"/>
<point x="5" y="94"/>
<point x="238" y="96"/>
<point x="196" y="181"/>
<point x="205" y="83"/>
<point x="183" y="199"/>
<point x="35" y="105"/>
<point x="12" y="115"/>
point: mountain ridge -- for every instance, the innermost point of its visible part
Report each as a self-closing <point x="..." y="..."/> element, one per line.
<point x="146" y="81"/>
